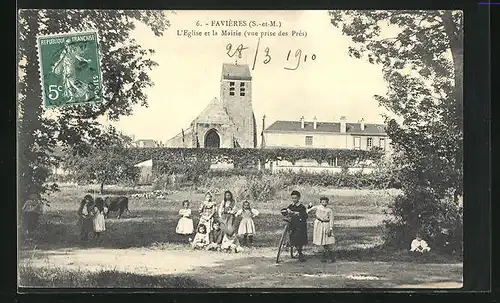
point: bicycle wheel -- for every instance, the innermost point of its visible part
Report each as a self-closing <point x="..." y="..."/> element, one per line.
<point x="281" y="244"/>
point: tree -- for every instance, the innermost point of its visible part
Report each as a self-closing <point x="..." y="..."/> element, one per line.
<point x="105" y="164"/>
<point x="423" y="67"/>
<point x="125" y="66"/>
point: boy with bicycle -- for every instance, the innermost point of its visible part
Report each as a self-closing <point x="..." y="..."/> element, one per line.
<point x="298" y="223"/>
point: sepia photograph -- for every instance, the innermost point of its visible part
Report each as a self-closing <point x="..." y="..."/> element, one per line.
<point x="240" y="149"/>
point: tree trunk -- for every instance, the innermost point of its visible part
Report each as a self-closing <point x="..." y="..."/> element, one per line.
<point x="29" y="109"/>
<point x="102" y="187"/>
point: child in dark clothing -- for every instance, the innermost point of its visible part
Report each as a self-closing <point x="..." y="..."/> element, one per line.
<point x="85" y="217"/>
<point x="298" y="225"/>
<point x="215" y="237"/>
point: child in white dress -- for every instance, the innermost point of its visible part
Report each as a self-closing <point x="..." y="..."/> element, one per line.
<point x="185" y="224"/>
<point x="419" y="245"/>
<point x="201" y="240"/>
<point x="98" y="220"/>
<point x="247" y="226"/>
<point x="230" y="243"/>
<point x="323" y="228"/>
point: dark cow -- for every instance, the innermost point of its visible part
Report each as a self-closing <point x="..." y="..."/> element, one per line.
<point x="119" y="204"/>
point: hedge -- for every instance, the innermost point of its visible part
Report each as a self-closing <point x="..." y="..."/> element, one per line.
<point x="244" y="157"/>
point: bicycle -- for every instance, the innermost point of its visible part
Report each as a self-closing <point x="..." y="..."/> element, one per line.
<point x="284" y="241"/>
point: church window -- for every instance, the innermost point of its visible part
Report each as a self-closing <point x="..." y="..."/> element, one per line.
<point x="231" y="88"/>
<point x="309" y="140"/>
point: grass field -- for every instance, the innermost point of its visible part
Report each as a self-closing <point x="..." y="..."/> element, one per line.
<point x="142" y="250"/>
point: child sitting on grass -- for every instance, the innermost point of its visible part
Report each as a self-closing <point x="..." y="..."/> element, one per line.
<point x="230" y="243"/>
<point x="418" y="245"/>
<point x="215" y="237"/>
<point x="200" y="241"/>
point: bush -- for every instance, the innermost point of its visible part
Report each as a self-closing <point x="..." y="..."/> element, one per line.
<point x="375" y="180"/>
<point x="440" y="221"/>
<point x="190" y="169"/>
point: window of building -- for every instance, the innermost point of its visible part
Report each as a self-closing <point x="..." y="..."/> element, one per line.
<point x="369" y="142"/>
<point x="231" y="88"/>
<point x="382" y="143"/>
<point x="242" y="84"/>
<point x="242" y="91"/>
<point x="357" y="142"/>
<point x="309" y="140"/>
<point x="231" y="84"/>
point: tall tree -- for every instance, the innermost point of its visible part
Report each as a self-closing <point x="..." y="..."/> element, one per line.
<point x="125" y="66"/>
<point x="421" y="55"/>
<point x="423" y="67"/>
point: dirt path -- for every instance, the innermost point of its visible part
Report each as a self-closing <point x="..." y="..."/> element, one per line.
<point x="139" y="260"/>
<point x="253" y="268"/>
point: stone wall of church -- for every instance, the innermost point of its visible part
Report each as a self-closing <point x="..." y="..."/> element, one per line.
<point x="240" y="110"/>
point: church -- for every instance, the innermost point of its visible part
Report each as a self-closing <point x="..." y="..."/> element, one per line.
<point x="228" y="122"/>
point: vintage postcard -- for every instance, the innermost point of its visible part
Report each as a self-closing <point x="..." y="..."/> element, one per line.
<point x="240" y="149"/>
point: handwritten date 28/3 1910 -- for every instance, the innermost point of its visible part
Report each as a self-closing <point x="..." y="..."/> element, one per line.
<point x="293" y="58"/>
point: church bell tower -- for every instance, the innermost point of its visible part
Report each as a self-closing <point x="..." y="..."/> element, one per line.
<point x="236" y="96"/>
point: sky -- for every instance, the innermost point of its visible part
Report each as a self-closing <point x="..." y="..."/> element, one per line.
<point x="188" y="76"/>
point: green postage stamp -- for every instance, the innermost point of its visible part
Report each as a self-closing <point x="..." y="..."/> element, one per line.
<point x="70" y="71"/>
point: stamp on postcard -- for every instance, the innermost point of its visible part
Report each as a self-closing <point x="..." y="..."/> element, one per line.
<point x="70" y="71"/>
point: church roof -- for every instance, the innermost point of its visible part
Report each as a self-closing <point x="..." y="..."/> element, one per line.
<point x="326" y="127"/>
<point x="236" y="71"/>
<point x="214" y="113"/>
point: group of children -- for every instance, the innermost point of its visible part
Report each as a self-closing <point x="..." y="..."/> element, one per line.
<point x="216" y="226"/>
<point x="91" y="217"/>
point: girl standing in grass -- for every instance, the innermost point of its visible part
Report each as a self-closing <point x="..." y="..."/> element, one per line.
<point x="207" y="211"/>
<point x="247" y="226"/>
<point x="323" y="228"/>
<point x="227" y="212"/>
<point x="185" y="224"/>
<point x="98" y="220"/>
<point x="85" y="217"/>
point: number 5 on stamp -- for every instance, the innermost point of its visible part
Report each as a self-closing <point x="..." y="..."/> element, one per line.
<point x="70" y="71"/>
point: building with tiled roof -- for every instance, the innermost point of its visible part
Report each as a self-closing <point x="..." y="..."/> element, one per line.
<point x="316" y="134"/>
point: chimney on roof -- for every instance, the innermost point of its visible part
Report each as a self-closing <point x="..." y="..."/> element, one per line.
<point x="343" y="126"/>
<point x="362" y="124"/>
<point x="315" y="122"/>
<point x="302" y="124"/>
